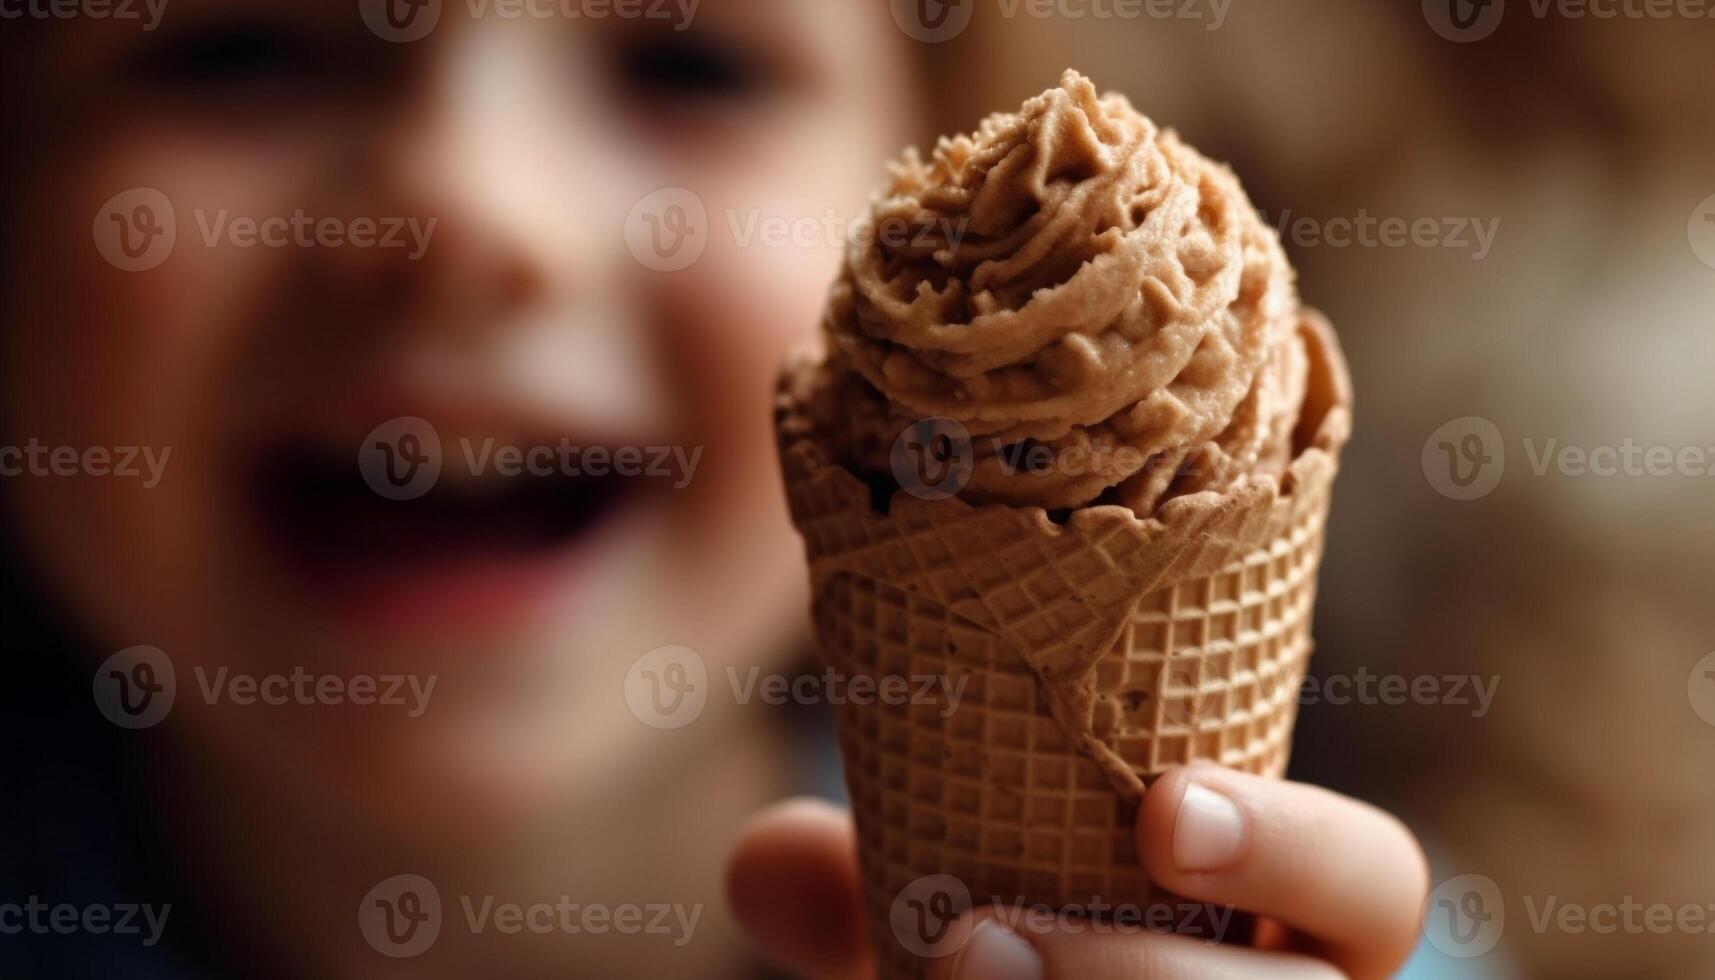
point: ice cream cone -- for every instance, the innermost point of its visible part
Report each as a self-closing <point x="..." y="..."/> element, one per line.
<point x="1078" y="659"/>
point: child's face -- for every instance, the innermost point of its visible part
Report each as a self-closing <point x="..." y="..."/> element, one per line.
<point x="520" y="315"/>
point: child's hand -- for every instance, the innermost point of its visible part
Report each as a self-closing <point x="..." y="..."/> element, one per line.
<point x="1339" y="885"/>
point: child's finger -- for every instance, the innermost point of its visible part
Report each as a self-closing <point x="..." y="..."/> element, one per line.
<point x="1350" y="877"/>
<point x="793" y="883"/>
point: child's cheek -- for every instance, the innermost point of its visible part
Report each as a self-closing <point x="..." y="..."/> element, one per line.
<point x="125" y="340"/>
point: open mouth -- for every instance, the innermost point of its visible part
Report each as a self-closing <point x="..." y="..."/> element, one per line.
<point x="340" y="532"/>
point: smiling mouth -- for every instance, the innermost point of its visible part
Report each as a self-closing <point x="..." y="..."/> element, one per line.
<point x="317" y="509"/>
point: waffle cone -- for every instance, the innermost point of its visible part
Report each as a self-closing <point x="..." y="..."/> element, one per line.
<point x="1077" y="660"/>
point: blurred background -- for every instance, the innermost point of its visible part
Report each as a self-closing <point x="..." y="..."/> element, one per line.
<point x="1507" y="211"/>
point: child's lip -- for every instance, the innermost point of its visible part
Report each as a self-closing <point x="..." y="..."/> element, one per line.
<point x="474" y="597"/>
<point x="464" y="554"/>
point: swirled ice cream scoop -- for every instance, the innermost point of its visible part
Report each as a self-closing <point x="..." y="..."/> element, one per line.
<point x="1098" y="306"/>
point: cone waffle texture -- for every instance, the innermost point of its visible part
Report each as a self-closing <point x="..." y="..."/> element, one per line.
<point x="1075" y="661"/>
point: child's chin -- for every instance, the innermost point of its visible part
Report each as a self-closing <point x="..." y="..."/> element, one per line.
<point x="437" y="793"/>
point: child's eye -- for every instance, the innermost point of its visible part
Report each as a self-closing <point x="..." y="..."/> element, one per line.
<point x="221" y="62"/>
<point x="690" y="69"/>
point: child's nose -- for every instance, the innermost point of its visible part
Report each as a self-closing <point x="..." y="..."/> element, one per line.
<point x="510" y="205"/>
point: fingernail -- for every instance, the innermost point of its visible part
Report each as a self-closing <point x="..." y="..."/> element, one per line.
<point x="995" y="952"/>
<point x="1210" y="831"/>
